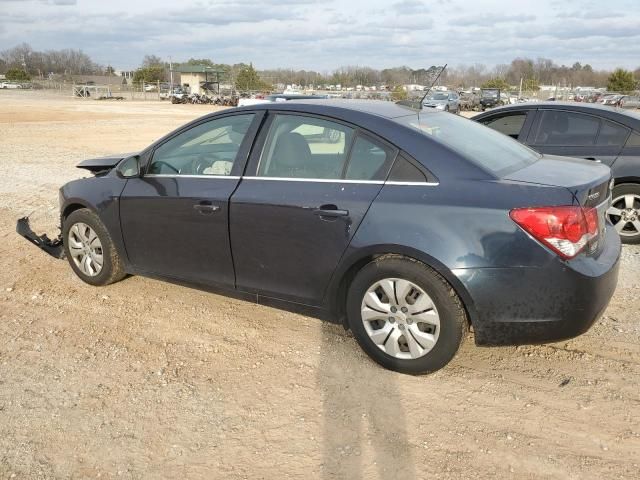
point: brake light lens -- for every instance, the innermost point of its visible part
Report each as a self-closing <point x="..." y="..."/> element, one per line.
<point x="566" y="230"/>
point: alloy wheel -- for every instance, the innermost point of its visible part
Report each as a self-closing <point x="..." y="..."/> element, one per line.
<point x="624" y="214"/>
<point x="85" y="249"/>
<point x="400" y="318"/>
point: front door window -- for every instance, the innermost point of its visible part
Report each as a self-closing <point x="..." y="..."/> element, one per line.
<point x="210" y="148"/>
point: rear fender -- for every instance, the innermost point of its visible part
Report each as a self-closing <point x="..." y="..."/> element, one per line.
<point x="335" y="294"/>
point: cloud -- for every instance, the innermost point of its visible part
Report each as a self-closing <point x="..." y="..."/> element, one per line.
<point x="323" y="36"/>
<point x="490" y="20"/>
<point x="410" y="7"/>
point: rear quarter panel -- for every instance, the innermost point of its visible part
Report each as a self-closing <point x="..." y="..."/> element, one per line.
<point x="453" y="226"/>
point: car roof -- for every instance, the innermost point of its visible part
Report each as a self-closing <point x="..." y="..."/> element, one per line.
<point x="630" y="119"/>
<point x="294" y="96"/>
<point x="373" y="107"/>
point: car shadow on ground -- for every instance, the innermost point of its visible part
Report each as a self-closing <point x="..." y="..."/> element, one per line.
<point x="364" y="421"/>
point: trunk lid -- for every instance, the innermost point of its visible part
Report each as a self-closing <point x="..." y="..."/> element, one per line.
<point x="588" y="181"/>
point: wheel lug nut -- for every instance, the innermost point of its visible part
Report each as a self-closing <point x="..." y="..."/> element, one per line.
<point x="391" y="319"/>
<point x="404" y="309"/>
<point x="401" y="327"/>
<point x="394" y="309"/>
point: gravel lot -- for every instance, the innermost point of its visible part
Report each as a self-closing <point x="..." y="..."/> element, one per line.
<point x="143" y="379"/>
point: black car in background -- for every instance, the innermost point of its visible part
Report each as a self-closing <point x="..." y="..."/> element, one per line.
<point x="593" y="132"/>
<point x="406" y="226"/>
<point x="492" y="97"/>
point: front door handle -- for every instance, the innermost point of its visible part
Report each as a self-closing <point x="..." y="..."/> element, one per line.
<point x="206" y="208"/>
<point x="330" y="211"/>
<point x="593" y="159"/>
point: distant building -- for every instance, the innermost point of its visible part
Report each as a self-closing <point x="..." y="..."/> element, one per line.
<point x="127" y="74"/>
<point x="194" y="76"/>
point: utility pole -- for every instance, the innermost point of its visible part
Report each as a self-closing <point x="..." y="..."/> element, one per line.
<point x="170" y="77"/>
<point x="520" y="93"/>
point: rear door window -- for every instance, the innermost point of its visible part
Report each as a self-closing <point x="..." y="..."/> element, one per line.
<point x="612" y="134"/>
<point x="510" y="125"/>
<point x="369" y="160"/>
<point x="305" y="147"/>
<point x="634" y="140"/>
<point x="566" y="129"/>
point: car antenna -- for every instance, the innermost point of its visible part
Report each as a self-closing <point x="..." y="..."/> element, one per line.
<point x="431" y="86"/>
<point x="411" y="103"/>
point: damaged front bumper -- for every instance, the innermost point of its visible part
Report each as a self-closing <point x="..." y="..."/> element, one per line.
<point x="53" y="247"/>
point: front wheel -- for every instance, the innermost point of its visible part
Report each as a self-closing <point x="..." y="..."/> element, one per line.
<point x="624" y="212"/>
<point x="405" y="316"/>
<point x="90" y="250"/>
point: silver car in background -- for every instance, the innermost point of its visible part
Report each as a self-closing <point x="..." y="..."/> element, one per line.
<point x="447" y="101"/>
<point x="630" y="101"/>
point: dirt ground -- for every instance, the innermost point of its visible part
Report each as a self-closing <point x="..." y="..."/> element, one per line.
<point x="143" y="379"/>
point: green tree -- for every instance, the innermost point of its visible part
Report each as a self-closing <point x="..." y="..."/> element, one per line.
<point x="200" y="61"/>
<point x="530" y="85"/>
<point x="621" y="81"/>
<point x="149" y="74"/>
<point x="399" y="93"/>
<point x="496" y="83"/>
<point x="248" y="79"/>
<point x="152" y="61"/>
<point x="17" y="75"/>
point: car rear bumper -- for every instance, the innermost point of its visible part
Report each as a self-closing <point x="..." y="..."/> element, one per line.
<point x="525" y="305"/>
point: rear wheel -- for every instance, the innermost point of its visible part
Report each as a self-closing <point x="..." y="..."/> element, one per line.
<point x="405" y="316"/>
<point x="90" y="250"/>
<point x="624" y="212"/>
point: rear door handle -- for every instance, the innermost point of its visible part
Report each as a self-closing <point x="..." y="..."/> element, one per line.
<point x="593" y="159"/>
<point x="330" y="211"/>
<point x="206" y="208"/>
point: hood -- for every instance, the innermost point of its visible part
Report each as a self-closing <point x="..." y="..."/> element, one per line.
<point x="435" y="103"/>
<point x="103" y="164"/>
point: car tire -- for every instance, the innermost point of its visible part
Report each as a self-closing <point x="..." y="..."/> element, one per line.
<point x="622" y="196"/>
<point x="438" y="339"/>
<point x="86" y="243"/>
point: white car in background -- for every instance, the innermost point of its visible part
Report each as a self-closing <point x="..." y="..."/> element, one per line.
<point x="10" y="85"/>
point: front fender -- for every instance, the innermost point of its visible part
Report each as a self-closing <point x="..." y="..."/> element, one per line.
<point x="100" y="195"/>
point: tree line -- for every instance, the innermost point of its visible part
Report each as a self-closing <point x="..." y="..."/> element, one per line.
<point x="22" y="60"/>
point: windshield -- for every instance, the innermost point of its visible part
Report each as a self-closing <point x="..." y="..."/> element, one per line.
<point x="438" y="96"/>
<point x="492" y="151"/>
<point x="490" y="93"/>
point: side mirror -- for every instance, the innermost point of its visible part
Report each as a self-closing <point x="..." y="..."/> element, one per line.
<point x="129" y="167"/>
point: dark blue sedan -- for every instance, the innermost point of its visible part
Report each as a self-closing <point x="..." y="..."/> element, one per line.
<point x="408" y="227"/>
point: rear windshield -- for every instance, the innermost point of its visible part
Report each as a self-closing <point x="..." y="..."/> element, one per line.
<point x="492" y="151"/>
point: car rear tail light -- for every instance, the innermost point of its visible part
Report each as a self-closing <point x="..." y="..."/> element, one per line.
<point x="565" y="230"/>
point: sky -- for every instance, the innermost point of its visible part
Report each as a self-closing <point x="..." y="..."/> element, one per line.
<point x="323" y="35"/>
